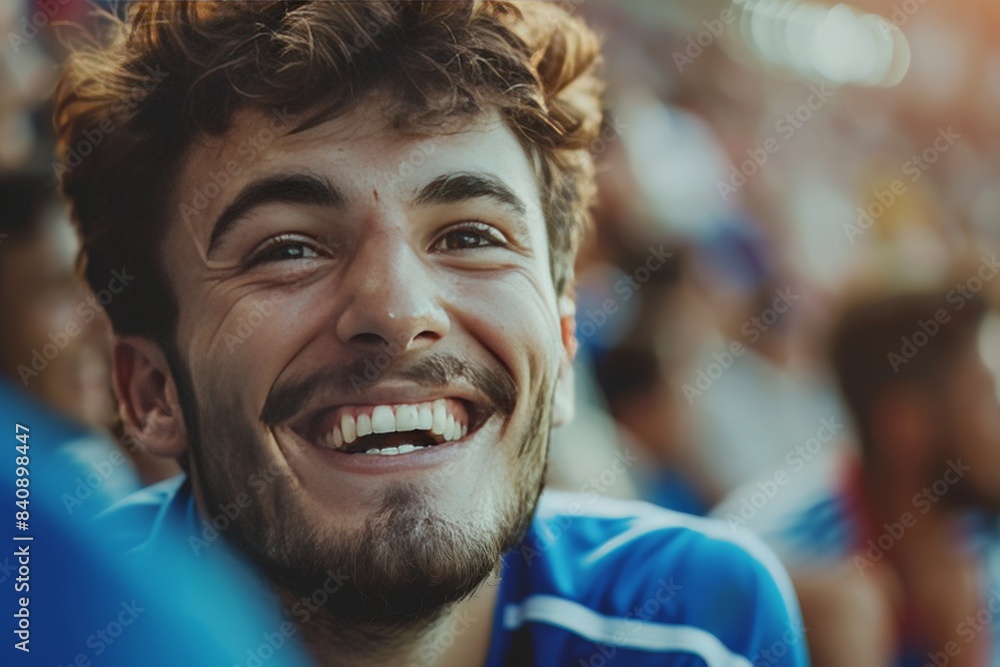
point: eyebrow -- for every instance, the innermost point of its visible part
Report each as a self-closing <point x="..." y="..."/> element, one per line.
<point x="296" y="188"/>
<point x="462" y="186"/>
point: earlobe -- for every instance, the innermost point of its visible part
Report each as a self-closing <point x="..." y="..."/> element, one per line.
<point x="147" y="395"/>
<point x="565" y="396"/>
<point x="567" y="324"/>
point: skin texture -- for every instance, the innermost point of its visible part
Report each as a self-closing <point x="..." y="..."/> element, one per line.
<point x="457" y="296"/>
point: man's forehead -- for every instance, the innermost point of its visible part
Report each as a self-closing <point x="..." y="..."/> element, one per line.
<point x="359" y="151"/>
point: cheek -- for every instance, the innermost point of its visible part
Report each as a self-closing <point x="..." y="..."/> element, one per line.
<point x="512" y="315"/>
<point x="246" y="345"/>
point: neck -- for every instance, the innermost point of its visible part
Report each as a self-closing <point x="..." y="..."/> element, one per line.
<point x="460" y="636"/>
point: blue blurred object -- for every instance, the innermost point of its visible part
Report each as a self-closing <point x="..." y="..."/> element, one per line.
<point x="67" y="599"/>
<point x="735" y="253"/>
<point x="670" y="489"/>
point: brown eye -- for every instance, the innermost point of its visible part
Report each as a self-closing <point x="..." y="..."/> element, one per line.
<point x="284" y="249"/>
<point x="472" y="237"/>
<point x="464" y="240"/>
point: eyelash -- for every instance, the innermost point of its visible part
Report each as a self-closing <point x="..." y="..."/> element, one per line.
<point x="284" y="241"/>
<point x="493" y="239"/>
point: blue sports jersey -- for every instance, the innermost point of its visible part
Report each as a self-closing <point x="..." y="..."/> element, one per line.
<point x="602" y="582"/>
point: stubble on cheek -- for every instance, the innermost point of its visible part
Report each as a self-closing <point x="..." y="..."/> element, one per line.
<point x="235" y="466"/>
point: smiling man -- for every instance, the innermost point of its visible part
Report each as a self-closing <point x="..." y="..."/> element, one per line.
<point x="352" y="226"/>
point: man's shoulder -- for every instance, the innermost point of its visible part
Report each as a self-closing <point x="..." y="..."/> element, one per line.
<point x="628" y="538"/>
<point x="638" y="577"/>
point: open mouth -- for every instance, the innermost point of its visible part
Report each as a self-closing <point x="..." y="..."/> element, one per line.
<point x="393" y="429"/>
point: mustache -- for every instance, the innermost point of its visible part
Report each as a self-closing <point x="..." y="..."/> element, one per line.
<point x="435" y="371"/>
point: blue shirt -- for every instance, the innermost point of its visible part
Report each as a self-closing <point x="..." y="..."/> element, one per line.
<point x="64" y="598"/>
<point x="598" y="581"/>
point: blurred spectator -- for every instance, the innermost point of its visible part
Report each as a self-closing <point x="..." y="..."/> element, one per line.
<point x="27" y="74"/>
<point x="894" y="552"/>
<point x="755" y="389"/>
<point x="42" y="343"/>
<point x="54" y="343"/>
<point x="639" y="377"/>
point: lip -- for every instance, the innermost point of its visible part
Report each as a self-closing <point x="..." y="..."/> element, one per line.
<point x="372" y="464"/>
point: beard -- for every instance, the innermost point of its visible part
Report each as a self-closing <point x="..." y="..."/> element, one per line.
<point x="406" y="565"/>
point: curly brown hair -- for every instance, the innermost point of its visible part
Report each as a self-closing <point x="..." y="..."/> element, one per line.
<point x="171" y="72"/>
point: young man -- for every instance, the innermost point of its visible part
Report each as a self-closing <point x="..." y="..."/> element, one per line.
<point x="352" y="226"/>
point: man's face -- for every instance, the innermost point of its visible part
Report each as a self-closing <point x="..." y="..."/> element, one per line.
<point x="348" y="279"/>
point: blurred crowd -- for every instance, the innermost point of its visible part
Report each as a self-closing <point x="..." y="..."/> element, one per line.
<point x="785" y="310"/>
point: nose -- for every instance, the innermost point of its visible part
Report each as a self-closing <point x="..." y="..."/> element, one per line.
<point x="393" y="297"/>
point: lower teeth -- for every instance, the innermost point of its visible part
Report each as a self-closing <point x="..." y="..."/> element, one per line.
<point x="393" y="451"/>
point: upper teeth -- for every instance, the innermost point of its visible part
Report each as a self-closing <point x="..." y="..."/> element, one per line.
<point x="434" y="416"/>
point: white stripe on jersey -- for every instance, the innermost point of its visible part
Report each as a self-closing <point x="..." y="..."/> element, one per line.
<point x="630" y="633"/>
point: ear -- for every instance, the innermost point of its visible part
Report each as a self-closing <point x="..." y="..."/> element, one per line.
<point x="563" y="406"/>
<point x="147" y="395"/>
